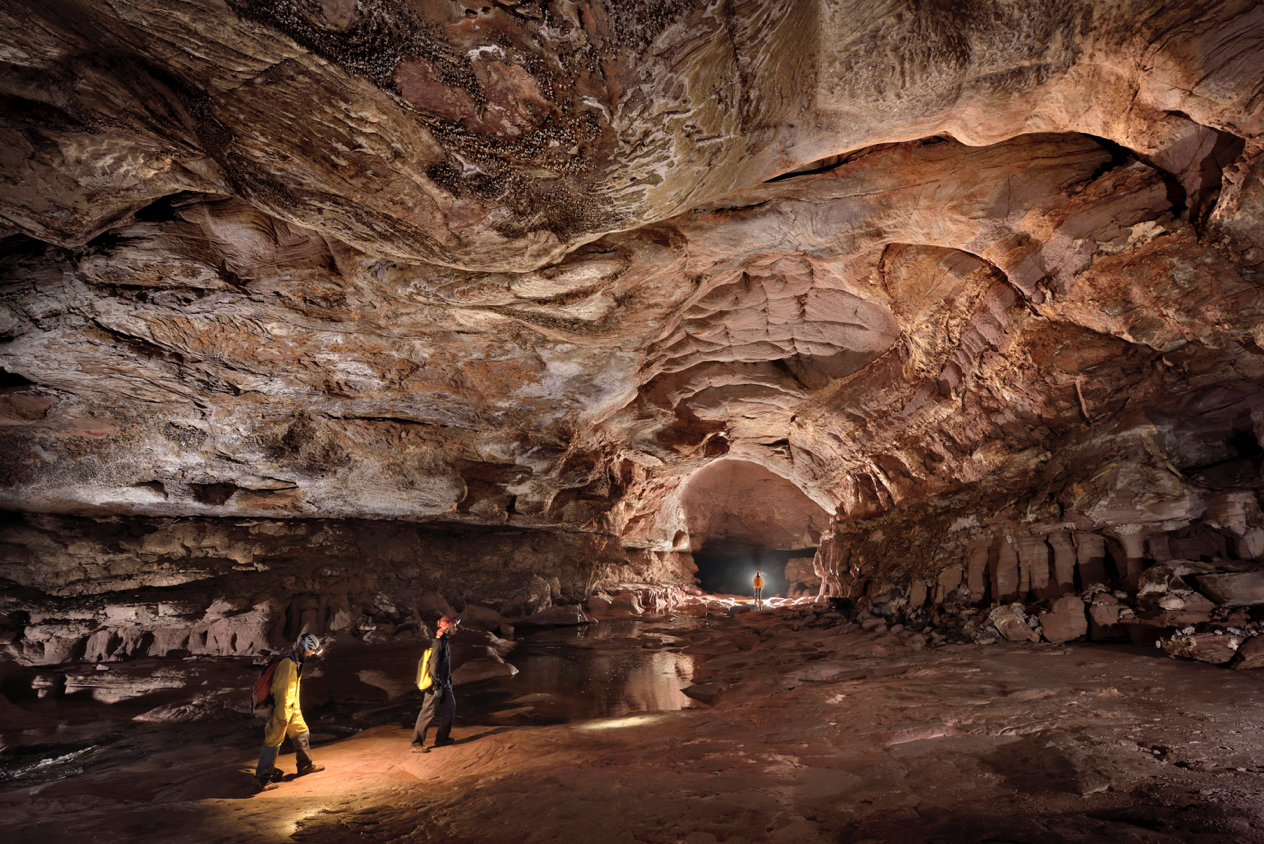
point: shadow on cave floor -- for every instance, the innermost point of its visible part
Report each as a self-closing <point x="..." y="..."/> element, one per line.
<point x="817" y="735"/>
<point x="606" y="669"/>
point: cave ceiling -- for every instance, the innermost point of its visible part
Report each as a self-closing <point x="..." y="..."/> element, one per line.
<point x="539" y="263"/>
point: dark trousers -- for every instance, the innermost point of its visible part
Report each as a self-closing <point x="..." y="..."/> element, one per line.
<point x="437" y="699"/>
<point x="302" y="755"/>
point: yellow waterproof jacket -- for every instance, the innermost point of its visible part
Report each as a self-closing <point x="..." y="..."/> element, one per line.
<point x="287" y="718"/>
<point x="759" y="582"/>
<point x="285" y="689"/>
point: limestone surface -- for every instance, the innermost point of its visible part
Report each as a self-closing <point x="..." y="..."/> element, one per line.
<point x="306" y="303"/>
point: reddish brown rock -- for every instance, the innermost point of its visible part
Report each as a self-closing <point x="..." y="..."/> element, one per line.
<point x="1250" y="654"/>
<point x="1233" y="590"/>
<point x="1213" y="647"/>
<point x="1104" y="618"/>
<point x="535" y="304"/>
<point x="1065" y="620"/>
<point x="1011" y="622"/>
<point x="556" y="616"/>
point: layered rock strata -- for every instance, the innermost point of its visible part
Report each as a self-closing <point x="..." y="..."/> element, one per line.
<point x="98" y="591"/>
<point x="973" y="290"/>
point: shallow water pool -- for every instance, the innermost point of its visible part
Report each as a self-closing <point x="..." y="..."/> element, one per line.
<point x="600" y="670"/>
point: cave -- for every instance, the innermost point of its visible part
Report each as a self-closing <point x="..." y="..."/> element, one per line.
<point x="742" y="518"/>
<point x="338" y="318"/>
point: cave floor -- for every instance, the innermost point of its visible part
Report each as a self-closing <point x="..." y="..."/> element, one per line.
<point x="815" y="735"/>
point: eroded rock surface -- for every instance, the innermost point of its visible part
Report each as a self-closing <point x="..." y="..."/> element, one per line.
<point x="973" y="293"/>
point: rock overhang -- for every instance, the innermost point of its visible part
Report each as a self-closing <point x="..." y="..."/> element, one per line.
<point x="536" y="267"/>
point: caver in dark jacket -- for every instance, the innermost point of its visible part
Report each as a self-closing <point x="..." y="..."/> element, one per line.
<point x="438" y="691"/>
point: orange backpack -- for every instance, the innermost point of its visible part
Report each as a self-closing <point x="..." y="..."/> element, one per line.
<point x="261" y="691"/>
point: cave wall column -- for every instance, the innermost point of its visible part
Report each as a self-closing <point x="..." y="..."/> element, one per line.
<point x="949" y="581"/>
<point x="977" y="554"/>
<point x="1063" y="563"/>
<point x="1090" y="557"/>
<point x="1005" y="573"/>
<point x="1132" y="537"/>
<point x="1033" y="564"/>
<point x="827" y="564"/>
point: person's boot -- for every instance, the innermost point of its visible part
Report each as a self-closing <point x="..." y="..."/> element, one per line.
<point x="303" y="751"/>
<point x="444" y="742"/>
<point x="265" y="785"/>
<point x="420" y="748"/>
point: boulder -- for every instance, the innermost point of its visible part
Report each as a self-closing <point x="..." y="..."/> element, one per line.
<point x="53" y="644"/>
<point x="431" y="603"/>
<point x="625" y="604"/>
<point x="598" y="604"/>
<point x="558" y="616"/>
<point x="119" y="685"/>
<point x="873" y="623"/>
<point x="1250" y="654"/>
<point x="1242" y="589"/>
<point x="533" y="598"/>
<point x="1104" y="618"/>
<point x="203" y="707"/>
<point x="1010" y="620"/>
<point x="480" y="618"/>
<point x="1064" y="620"/>
<point x="394" y="683"/>
<point x="1216" y="648"/>
<point x="1180" y="609"/>
<point x="483" y="668"/>
<point x="947" y="583"/>
<point x="707" y="693"/>
<point x="474" y="643"/>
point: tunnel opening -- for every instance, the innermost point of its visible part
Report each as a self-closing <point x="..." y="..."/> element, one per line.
<point x="729" y="571"/>
<point x="743" y="518"/>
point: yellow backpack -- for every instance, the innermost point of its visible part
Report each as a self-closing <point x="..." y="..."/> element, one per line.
<point x="423" y="670"/>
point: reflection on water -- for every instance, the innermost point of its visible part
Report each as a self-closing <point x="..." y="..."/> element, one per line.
<point x="43" y="763"/>
<point x="599" y="670"/>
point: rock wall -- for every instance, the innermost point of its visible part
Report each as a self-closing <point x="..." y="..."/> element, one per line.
<point x="1115" y="538"/>
<point x="977" y="283"/>
<point x="83" y="589"/>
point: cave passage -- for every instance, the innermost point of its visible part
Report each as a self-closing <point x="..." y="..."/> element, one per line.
<point x="726" y="572"/>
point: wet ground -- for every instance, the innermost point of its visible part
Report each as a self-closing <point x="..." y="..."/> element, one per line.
<point x="817" y="734"/>
<point x="612" y="668"/>
<point x="565" y="674"/>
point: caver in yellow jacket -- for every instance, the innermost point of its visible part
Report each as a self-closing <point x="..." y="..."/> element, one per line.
<point x="286" y="719"/>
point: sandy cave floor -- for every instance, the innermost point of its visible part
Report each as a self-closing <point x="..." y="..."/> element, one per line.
<point x="816" y="735"/>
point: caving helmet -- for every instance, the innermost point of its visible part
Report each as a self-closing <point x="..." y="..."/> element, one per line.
<point x="446" y="622"/>
<point x="308" y="644"/>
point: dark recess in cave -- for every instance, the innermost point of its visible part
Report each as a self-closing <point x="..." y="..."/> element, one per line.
<point x="725" y="572"/>
<point x="10" y="380"/>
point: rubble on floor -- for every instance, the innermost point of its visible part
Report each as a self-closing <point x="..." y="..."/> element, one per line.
<point x="1211" y="612"/>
